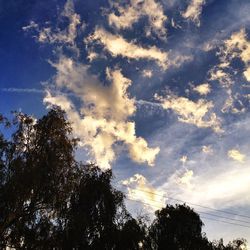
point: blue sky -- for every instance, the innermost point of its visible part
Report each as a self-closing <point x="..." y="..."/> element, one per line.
<point x="158" y="91"/>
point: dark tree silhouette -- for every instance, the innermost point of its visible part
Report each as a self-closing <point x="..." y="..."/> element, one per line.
<point x="177" y="227"/>
<point x="48" y="200"/>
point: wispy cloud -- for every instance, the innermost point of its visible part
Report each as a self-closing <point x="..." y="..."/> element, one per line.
<point x="23" y="90"/>
<point x="134" y="11"/>
<point x="192" y="112"/>
<point x="139" y="188"/>
<point x="194" y="10"/>
<point x="116" y="45"/>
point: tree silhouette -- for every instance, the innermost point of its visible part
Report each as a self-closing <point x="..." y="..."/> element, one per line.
<point x="49" y="200"/>
<point x="177" y="227"/>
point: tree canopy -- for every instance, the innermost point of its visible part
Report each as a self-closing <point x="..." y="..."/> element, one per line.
<point x="49" y="200"/>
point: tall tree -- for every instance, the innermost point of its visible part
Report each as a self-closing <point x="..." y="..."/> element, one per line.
<point x="48" y="199"/>
<point x="177" y="227"/>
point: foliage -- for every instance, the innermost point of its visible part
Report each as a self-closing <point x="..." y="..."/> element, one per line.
<point x="49" y="200"/>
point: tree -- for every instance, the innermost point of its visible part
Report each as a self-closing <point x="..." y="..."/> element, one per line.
<point x="238" y="244"/>
<point x="177" y="227"/>
<point x="38" y="173"/>
<point x="49" y="200"/>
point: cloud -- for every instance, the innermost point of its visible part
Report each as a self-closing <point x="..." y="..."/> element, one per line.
<point x="207" y="149"/>
<point x="194" y="10"/>
<point x="127" y="15"/>
<point x="57" y="35"/>
<point x="247" y="74"/>
<point x="196" y="113"/>
<point x="236" y="46"/>
<point x="236" y="155"/>
<point x="140" y="189"/>
<point x="224" y="189"/>
<point x="32" y="25"/>
<point x="147" y="73"/>
<point x="239" y="46"/>
<point x="203" y="89"/>
<point x="118" y="46"/>
<point x="186" y="178"/>
<point x="103" y="118"/>
<point x="183" y="159"/>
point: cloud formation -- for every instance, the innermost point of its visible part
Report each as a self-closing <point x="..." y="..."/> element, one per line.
<point x="194" y="10"/>
<point x="207" y="149"/>
<point x="203" y="89"/>
<point x="140" y="189"/>
<point x="116" y="45"/>
<point x="186" y="178"/>
<point x="239" y="46"/>
<point x="236" y="46"/>
<point x="147" y="73"/>
<point x="236" y="155"/>
<point x="135" y="10"/>
<point x="57" y="35"/>
<point x="224" y="185"/>
<point x="196" y="113"/>
<point x="103" y="119"/>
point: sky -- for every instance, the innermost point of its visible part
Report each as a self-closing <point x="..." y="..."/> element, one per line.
<point x="157" y="90"/>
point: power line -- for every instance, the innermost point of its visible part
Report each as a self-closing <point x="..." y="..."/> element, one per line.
<point x="215" y="215"/>
<point x="235" y="224"/>
<point x="227" y="222"/>
<point x="193" y="204"/>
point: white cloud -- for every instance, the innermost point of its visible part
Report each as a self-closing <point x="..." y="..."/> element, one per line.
<point x="247" y="74"/>
<point x="194" y="10"/>
<point x="196" y="113"/>
<point x="135" y="10"/>
<point x="183" y="159"/>
<point x="236" y="155"/>
<point x="147" y="73"/>
<point x="32" y="25"/>
<point x="207" y="149"/>
<point x="238" y="46"/>
<point x="103" y="119"/>
<point x="225" y="189"/>
<point x="203" y="89"/>
<point x="62" y="36"/>
<point x="218" y="74"/>
<point x="186" y="178"/>
<point x="140" y="189"/>
<point x="118" y="46"/>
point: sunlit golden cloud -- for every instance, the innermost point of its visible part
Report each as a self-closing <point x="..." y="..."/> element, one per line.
<point x="116" y="45"/>
<point x="194" y="10"/>
<point x="203" y="89"/>
<point x="140" y="189"/>
<point x="239" y="46"/>
<point x="103" y="119"/>
<point x="192" y="112"/>
<point x="236" y="155"/>
<point x="136" y="9"/>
